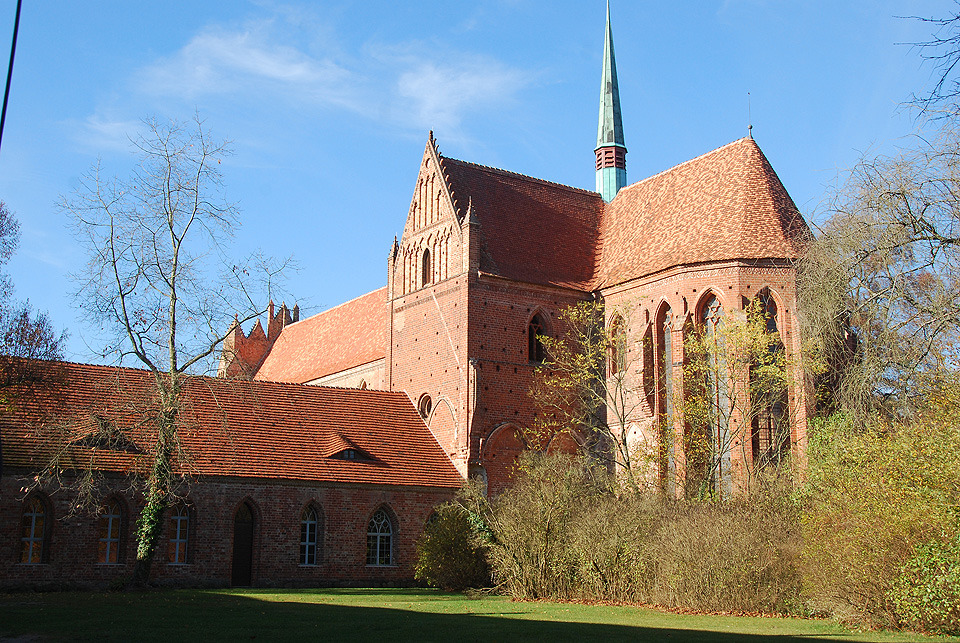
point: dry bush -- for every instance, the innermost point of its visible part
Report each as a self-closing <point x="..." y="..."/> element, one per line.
<point x="612" y="536"/>
<point x="531" y="548"/>
<point x="562" y="532"/>
<point x="735" y="556"/>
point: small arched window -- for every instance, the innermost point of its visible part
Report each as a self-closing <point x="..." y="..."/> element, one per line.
<point x="309" y="536"/>
<point x="179" y="535"/>
<point x="380" y="540"/>
<point x="711" y="314"/>
<point x="34" y="528"/>
<point x="617" y="350"/>
<point x="427" y="268"/>
<point x="108" y="547"/>
<point x="425" y="406"/>
<point x="536" y="352"/>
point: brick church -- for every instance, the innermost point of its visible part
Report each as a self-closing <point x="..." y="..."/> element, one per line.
<point x="318" y="452"/>
<point x="488" y="258"/>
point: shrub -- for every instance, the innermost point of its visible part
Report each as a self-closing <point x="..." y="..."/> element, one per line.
<point x="926" y="594"/>
<point x="531" y="552"/>
<point x="562" y="532"/>
<point x="739" y="555"/>
<point x="450" y="555"/>
<point x="874" y="494"/>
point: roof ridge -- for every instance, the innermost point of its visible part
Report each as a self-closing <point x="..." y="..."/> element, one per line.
<point x="341" y="304"/>
<point x="498" y="170"/>
<point x="688" y="161"/>
<point x="212" y="378"/>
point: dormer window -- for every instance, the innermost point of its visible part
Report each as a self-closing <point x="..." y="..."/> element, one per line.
<point x="351" y="454"/>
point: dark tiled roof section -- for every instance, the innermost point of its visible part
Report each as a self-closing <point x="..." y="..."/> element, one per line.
<point x="230" y="428"/>
<point x="345" y="336"/>
<point x="727" y="204"/>
<point x="533" y="231"/>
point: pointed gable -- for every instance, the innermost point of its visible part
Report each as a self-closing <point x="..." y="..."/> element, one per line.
<point x="532" y="230"/>
<point x="727" y="204"/>
<point x="430" y="249"/>
<point x="345" y="336"/>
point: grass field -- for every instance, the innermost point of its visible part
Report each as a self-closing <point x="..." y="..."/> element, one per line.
<point x="375" y="615"/>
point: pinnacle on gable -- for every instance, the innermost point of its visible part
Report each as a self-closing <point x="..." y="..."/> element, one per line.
<point x="257" y="331"/>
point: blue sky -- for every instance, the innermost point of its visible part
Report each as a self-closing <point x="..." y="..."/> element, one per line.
<point x="328" y="105"/>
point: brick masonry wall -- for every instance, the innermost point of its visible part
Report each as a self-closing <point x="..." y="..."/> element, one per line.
<point x="277" y="507"/>
<point x="500" y="313"/>
<point x="684" y="289"/>
<point x="429" y="357"/>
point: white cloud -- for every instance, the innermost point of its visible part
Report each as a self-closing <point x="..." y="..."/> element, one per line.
<point x="101" y="133"/>
<point x="411" y="85"/>
<point x="247" y="62"/>
<point x="439" y="95"/>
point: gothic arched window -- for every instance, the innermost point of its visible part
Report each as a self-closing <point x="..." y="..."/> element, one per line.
<point x="770" y="435"/>
<point x="536" y="351"/>
<point x="663" y="327"/>
<point x="179" y="535"/>
<point x="426" y="268"/>
<point x="309" y="536"/>
<point x="380" y="540"/>
<point x="617" y="351"/>
<point x="34" y="532"/>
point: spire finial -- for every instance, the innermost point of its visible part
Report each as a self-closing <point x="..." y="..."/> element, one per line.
<point x="610" y="151"/>
<point x="749" y="118"/>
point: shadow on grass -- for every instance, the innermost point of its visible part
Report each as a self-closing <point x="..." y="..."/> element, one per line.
<point x="210" y="616"/>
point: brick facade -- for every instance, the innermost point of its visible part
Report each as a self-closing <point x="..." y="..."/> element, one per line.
<point x="484" y="250"/>
<point x="71" y="556"/>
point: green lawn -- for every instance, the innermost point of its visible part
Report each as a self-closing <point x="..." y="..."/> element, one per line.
<point x="374" y="615"/>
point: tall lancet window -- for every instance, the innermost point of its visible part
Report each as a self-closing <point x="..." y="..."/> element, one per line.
<point x="770" y="435"/>
<point x="716" y="430"/>
<point x="536" y="351"/>
<point x="617" y="351"/>
<point x="426" y="268"/>
<point x="664" y="399"/>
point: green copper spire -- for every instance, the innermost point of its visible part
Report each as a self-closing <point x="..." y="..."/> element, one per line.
<point x="610" y="150"/>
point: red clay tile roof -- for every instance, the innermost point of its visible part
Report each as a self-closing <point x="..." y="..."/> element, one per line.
<point x="726" y="204"/>
<point x="533" y="230"/>
<point x="230" y="428"/>
<point x="345" y="336"/>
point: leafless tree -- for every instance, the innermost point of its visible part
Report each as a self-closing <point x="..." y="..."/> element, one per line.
<point x="587" y="387"/>
<point x="880" y="287"/>
<point x="159" y="281"/>
<point x="943" y="52"/>
<point x="23" y="333"/>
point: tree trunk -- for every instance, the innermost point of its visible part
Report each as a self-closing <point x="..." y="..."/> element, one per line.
<point x="150" y="524"/>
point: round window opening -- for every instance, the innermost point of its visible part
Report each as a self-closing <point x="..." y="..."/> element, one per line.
<point x="425" y="406"/>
